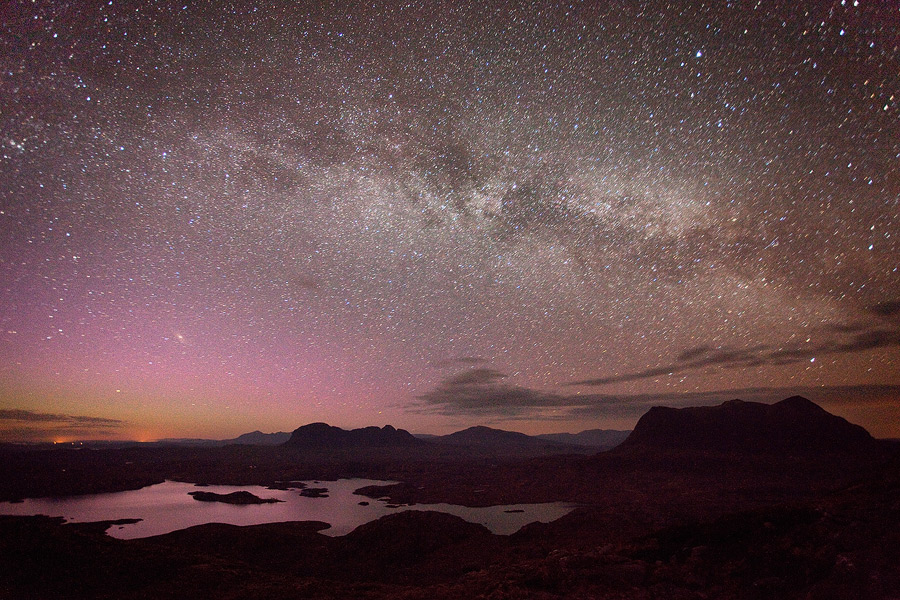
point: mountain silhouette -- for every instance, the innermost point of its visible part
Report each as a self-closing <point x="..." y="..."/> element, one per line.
<point x="794" y="425"/>
<point x="322" y="435"/>
<point x="488" y="436"/>
<point x="258" y="438"/>
<point x="482" y="440"/>
<point x="600" y="439"/>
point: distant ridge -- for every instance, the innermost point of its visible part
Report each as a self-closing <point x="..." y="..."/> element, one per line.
<point x="488" y="436"/>
<point x="794" y="425"/>
<point x="258" y="438"/>
<point x="498" y="442"/>
<point x="322" y="435"/>
<point x="600" y="439"/>
<point x="254" y="438"/>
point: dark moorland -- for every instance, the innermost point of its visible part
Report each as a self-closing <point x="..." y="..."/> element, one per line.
<point x="741" y="500"/>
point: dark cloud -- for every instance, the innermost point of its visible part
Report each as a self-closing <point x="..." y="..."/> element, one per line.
<point x="29" y="416"/>
<point x="19" y="425"/>
<point x="843" y="327"/>
<point x="475" y="377"/>
<point x="839" y="339"/>
<point x="481" y="392"/>
<point x="692" y="353"/>
<point x="866" y="340"/>
<point x="638" y="375"/>
<point x="496" y="400"/>
<point x="692" y="358"/>
<point x="461" y="361"/>
<point x="886" y="309"/>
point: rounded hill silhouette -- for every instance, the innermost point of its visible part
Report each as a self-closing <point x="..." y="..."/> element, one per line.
<point x="794" y="425"/>
<point x="322" y="435"/>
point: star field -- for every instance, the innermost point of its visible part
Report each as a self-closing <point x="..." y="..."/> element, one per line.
<point x="220" y="217"/>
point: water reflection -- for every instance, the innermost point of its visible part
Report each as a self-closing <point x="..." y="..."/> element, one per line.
<point x="167" y="507"/>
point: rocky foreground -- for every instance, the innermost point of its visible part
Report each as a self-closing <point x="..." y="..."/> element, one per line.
<point x="846" y="545"/>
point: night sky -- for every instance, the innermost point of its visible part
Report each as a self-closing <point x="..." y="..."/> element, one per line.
<point x="225" y="216"/>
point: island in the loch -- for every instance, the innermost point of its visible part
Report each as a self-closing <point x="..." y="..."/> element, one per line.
<point x="316" y="492"/>
<point x="242" y="497"/>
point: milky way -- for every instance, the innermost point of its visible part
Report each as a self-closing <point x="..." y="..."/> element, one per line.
<point x="220" y="217"/>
